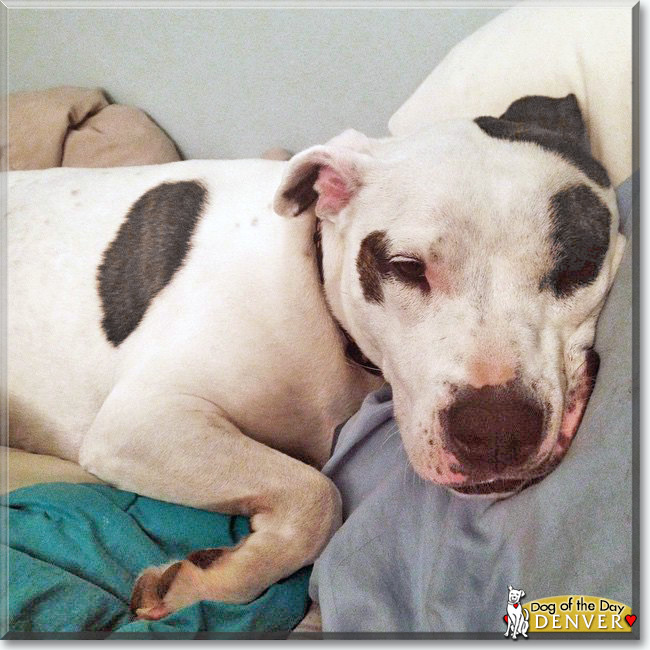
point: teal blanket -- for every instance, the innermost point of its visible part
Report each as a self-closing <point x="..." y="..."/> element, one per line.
<point x="75" y="550"/>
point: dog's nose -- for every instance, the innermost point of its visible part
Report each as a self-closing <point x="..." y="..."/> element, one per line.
<point x="494" y="427"/>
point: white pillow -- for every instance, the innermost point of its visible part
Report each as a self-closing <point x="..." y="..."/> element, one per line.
<point x="549" y="51"/>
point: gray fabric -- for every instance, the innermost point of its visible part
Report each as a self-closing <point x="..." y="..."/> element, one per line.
<point x="412" y="557"/>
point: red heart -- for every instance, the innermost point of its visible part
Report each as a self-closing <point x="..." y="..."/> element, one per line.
<point x="516" y="605"/>
<point x="630" y="618"/>
<point x="505" y="618"/>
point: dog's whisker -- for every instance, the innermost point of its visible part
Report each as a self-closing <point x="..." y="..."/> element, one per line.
<point x="388" y="437"/>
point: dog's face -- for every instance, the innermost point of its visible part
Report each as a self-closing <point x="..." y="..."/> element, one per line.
<point x="515" y="595"/>
<point x="470" y="262"/>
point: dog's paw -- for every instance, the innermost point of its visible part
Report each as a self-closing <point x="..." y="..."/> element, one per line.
<point x="146" y="602"/>
<point x="159" y="591"/>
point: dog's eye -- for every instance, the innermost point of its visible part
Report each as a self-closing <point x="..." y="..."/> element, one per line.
<point x="408" y="269"/>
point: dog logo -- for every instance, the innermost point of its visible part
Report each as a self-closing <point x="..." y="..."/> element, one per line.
<point x="517" y="617"/>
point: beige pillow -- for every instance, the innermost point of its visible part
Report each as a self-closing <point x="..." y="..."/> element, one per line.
<point x="25" y="468"/>
<point x="118" y="135"/>
<point x="39" y="121"/>
<point x="549" y="51"/>
<point x="76" y="127"/>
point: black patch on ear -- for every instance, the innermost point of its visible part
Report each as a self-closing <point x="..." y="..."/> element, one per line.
<point x="554" y="124"/>
<point x="149" y="248"/>
<point x="372" y="265"/>
<point x="580" y="239"/>
<point x="559" y="115"/>
<point x="303" y="192"/>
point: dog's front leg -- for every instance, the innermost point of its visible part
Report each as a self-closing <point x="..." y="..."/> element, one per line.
<point x="180" y="448"/>
<point x="516" y="625"/>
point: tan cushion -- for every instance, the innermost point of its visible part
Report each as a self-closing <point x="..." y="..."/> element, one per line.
<point x="118" y="135"/>
<point x="549" y="51"/>
<point x="25" y="468"/>
<point x="39" y="121"/>
<point x="76" y="127"/>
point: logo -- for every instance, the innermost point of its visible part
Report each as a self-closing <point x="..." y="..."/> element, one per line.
<point x="516" y="617"/>
<point x="565" y="614"/>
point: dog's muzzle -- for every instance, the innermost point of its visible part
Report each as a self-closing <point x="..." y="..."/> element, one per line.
<point x="495" y="433"/>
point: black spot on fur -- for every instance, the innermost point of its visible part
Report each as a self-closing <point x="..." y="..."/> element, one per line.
<point x="580" y="239"/>
<point x="560" y="115"/>
<point x="166" y="579"/>
<point x="554" y="124"/>
<point x="149" y="248"/>
<point x="206" y="557"/>
<point x="372" y="265"/>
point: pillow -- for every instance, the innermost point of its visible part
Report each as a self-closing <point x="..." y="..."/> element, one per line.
<point x="38" y="123"/>
<point x="118" y="135"/>
<point x="25" y="468"/>
<point x="76" y="127"/>
<point x="414" y="557"/>
<point x="550" y="51"/>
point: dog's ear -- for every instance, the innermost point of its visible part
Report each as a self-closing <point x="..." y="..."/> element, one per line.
<point x="522" y="593"/>
<point x="509" y="587"/>
<point x="561" y="115"/>
<point x="326" y="176"/>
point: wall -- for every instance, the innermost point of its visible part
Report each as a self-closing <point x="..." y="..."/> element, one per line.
<point x="230" y="83"/>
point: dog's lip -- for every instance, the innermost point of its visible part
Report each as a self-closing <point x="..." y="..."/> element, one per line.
<point x="508" y="484"/>
<point x="495" y="486"/>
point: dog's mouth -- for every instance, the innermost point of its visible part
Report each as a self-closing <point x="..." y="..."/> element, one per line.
<point x="503" y="485"/>
<point x="496" y="486"/>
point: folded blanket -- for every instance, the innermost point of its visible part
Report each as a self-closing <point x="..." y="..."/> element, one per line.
<point x="75" y="551"/>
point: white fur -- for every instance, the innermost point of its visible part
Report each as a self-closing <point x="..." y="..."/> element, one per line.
<point x="244" y="295"/>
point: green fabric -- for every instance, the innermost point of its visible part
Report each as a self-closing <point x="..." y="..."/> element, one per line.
<point x="75" y="551"/>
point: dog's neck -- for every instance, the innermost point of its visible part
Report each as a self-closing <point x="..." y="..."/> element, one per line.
<point x="352" y="350"/>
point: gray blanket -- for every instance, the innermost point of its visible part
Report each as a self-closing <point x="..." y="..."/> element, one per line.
<point x="412" y="557"/>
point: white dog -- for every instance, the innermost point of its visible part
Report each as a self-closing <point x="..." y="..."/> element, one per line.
<point x="176" y="337"/>
<point x="517" y="618"/>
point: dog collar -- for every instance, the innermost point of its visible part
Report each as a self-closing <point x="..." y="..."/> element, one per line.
<point x="352" y="350"/>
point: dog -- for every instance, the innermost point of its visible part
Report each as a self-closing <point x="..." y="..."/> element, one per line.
<point x="170" y="332"/>
<point x="517" y="618"/>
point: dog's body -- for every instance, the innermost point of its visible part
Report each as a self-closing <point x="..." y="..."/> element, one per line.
<point x="263" y="365"/>
<point x="172" y="334"/>
<point x="246" y="307"/>
<point x="517" y="617"/>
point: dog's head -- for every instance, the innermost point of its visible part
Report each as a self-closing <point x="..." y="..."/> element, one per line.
<point x="470" y="262"/>
<point x="515" y="595"/>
